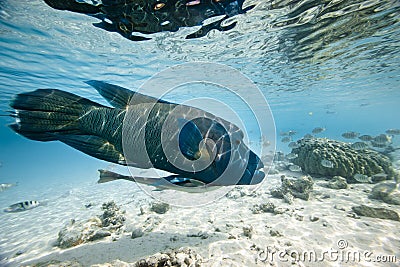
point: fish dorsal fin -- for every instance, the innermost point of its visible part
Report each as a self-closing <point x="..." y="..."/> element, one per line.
<point x="120" y="97"/>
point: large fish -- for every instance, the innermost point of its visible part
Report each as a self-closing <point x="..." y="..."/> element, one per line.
<point x="150" y="16"/>
<point x="140" y="131"/>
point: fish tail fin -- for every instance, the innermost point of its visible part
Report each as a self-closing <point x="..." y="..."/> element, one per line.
<point x="74" y="6"/>
<point x="45" y="114"/>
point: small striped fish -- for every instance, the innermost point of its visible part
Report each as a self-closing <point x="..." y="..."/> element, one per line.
<point x="22" y="206"/>
<point x="362" y="178"/>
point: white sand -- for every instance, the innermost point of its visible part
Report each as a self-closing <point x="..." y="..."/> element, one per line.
<point x="219" y="226"/>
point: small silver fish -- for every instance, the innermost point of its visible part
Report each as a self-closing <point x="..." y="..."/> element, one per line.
<point x="379" y="145"/>
<point x="318" y="130"/>
<point x="286" y="139"/>
<point x="350" y="135"/>
<point x="393" y="131"/>
<point x="379" y="177"/>
<point x="291" y="156"/>
<point x="22" y="206"/>
<point x="382" y="139"/>
<point x="359" y="146"/>
<point x="291" y="133"/>
<point x="264" y="141"/>
<point x="327" y="163"/>
<point x="365" y="137"/>
<point x="6" y="186"/>
<point x="362" y="178"/>
<point x="293" y="145"/>
<point x="283" y="133"/>
<point x="308" y="136"/>
<point x="295" y="168"/>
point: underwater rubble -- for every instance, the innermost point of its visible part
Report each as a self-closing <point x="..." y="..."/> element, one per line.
<point x="387" y="191"/>
<point x="346" y="161"/>
<point x="381" y="213"/>
<point x="264" y="207"/>
<point x="292" y="187"/>
<point x="98" y="227"/>
<point x="337" y="182"/>
<point x="159" y="208"/>
<point x="180" y="257"/>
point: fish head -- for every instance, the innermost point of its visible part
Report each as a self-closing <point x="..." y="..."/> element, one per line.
<point x="231" y="161"/>
<point x="166" y="15"/>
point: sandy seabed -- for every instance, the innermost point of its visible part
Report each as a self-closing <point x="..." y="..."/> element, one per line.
<point x="322" y="231"/>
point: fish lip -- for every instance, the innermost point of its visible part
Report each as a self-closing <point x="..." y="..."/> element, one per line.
<point x="251" y="173"/>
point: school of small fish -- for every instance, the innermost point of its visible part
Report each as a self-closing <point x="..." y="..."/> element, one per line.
<point x="366" y="142"/>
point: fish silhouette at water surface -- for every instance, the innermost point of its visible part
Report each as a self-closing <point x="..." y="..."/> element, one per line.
<point x="150" y="16"/>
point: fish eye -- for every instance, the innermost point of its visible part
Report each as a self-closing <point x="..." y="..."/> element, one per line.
<point x="158" y="6"/>
<point x="237" y="142"/>
<point x="123" y="27"/>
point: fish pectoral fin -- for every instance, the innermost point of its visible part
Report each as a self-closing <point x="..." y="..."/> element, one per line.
<point x="172" y="182"/>
<point x="169" y="182"/>
<point x="189" y="139"/>
<point x="120" y="97"/>
<point x="186" y="182"/>
<point x="94" y="146"/>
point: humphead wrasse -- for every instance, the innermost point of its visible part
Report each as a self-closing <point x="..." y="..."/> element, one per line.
<point x="141" y="131"/>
